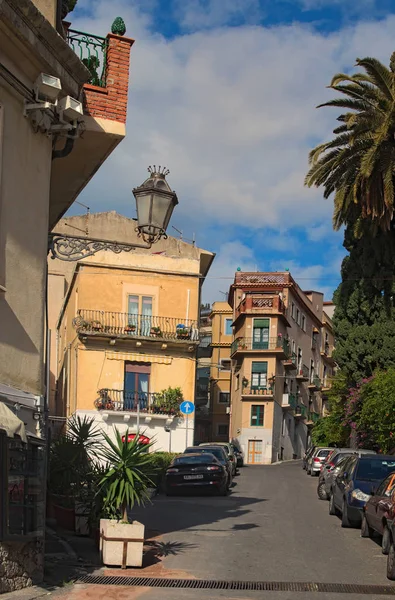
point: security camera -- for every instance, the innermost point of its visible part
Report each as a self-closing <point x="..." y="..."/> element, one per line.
<point x="69" y="108"/>
<point x="47" y="88"/>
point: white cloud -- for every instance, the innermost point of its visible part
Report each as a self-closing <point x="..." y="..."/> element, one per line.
<point x="198" y="14"/>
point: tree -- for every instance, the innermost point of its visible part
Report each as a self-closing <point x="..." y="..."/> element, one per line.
<point x="358" y="165"/>
<point x="376" y="420"/>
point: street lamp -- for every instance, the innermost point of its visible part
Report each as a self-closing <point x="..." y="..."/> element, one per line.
<point x="155" y="202"/>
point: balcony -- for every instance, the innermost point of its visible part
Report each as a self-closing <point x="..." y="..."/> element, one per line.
<point x="290" y="362"/>
<point x="326" y="353"/>
<point x="261" y="305"/>
<point x="134" y="402"/>
<point x="260" y="392"/>
<point x="104" y="104"/>
<point x="326" y="384"/>
<point x="274" y="345"/>
<point x="300" y="411"/>
<point x="312" y="418"/>
<point x="126" y="326"/>
<point x="314" y="383"/>
<point x="302" y="373"/>
<point x="289" y="401"/>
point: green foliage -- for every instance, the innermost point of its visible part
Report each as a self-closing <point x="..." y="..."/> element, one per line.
<point x="376" y="420"/>
<point x="126" y="479"/>
<point x="168" y="401"/>
<point x="331" y="430"/>
<point x="159" y="462"/>
<point x="357" y="166"/>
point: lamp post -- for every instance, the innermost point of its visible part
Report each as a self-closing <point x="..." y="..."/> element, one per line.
<point x="155" y="202"/>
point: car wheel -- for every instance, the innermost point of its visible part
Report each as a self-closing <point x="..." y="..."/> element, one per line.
<point x="391" y="563"/>
<point x="386" y="541"/>
<point x="224" y="490"/>
<point x="346" y="522"/>
<point x="332" y="508"/>
<point x="322" y="495"/>
<point x="308" y="471"/>
<point x="366" y="530"/>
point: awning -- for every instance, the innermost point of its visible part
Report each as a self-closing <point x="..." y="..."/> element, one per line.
<point x="12" y="394"/>
<point x="11" y="424"/>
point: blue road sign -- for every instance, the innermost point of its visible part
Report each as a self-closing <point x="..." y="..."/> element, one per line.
<point x="187" y="408"/>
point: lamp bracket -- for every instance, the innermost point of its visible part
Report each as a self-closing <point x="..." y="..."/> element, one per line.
<point x="73" y="248"/>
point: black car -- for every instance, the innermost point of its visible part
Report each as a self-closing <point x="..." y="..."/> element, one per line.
<point x="357" y="479"/>
<point x="239" y="456"/>
<point x="219" y="453"/>
<point x="196" y="471"/>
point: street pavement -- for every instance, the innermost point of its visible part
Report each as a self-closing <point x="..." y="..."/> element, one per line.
<point x="272" y="527"/>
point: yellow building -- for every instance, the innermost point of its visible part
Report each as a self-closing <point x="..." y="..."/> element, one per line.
<point x="47" y="101"/>
<point x="276" y="365"/>
<point x="220" y="371"/>
<point x="328" y="367"/>
<point x="127" y="330"/>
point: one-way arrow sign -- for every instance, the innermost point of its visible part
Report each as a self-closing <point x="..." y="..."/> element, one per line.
<point x="187" y="408"/>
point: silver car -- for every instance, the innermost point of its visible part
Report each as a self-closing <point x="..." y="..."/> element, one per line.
<point x="315" y="461"/>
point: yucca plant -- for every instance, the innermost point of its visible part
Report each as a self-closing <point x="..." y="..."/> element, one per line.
<point x="126" y="480"/>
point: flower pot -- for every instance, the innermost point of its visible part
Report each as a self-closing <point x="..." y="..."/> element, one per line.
<point x="121" y="544"/>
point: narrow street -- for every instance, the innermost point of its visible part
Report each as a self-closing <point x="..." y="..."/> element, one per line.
<point x="272" y="527"/>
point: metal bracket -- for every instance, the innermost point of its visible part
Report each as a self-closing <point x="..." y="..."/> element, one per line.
<point x="73" y="248"/>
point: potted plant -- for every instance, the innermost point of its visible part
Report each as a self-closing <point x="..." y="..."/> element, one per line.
<point x="125" y="482"/>
<point x="130" y="329"/>
<point x="156" y="331"/>
<point x="183" y="333"/>
<point x="96" y="326"/>
<point x="245" y="382"/>
<point x="168" y="401"/>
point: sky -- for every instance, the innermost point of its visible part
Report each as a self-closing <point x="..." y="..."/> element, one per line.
<point x="223" y="93"/>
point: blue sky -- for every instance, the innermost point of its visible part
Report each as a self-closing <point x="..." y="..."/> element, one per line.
<point x="223" y="92"/>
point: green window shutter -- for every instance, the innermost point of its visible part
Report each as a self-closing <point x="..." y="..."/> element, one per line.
<point x="259" y="367"/>
<point x="261" y="323"/>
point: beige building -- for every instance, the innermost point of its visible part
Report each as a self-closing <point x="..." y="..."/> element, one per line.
<point x="127" y="330"/>
<point x="220" y="372"/>
<point x="48" y="98"/>
<point x="328" y="366"/>
<point x="276" y="365"/>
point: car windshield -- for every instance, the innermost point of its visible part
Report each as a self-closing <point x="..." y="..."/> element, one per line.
<point x="373" y="469"/>
<point x="218" y="452"/>
<point x="323" y="453"/>
<point x="205" y="459"/>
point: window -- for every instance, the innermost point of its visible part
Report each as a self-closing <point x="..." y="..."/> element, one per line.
<point x="300" y="359"/>
<point x="224" y="397"/>
<point x="293" y="347"/>
<point x="257" y="415"/>
<point x="22" y="501"/>
<point x="136" y="386"/>
<point x="140" y="314"/>
<point x="259" y="375"/>
<point x="297" y="316"/>
<point x="293" y="310"/>
<point x="260" y="340"/>
<point x="303" y="323"/>
<point x="228" y="327"/>
<point x="225" y="364"/>
<point x="223" y="430"/>
<point x="312" y="374"/>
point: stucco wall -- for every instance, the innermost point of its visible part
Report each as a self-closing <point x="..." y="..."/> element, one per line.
<point x="48" y="9"/>
<point x="24" y="215"/>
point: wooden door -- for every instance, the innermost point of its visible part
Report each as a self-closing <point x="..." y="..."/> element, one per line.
<point x="254" y="452"/>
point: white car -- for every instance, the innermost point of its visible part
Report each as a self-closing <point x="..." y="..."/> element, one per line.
<point x="315" y="461"/>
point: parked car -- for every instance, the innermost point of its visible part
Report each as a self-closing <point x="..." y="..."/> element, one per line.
<point x="219" y="453"/>
<point x="315" y="461"/>
<point x="307" y="455"/>
<point x="196" y="471"/>
<point x="229" y="451"/>
<point x="379" y="512"/>
<point x="353" y="485"/>
<point x="239" y="456"/>
<point x="330" y="468"/>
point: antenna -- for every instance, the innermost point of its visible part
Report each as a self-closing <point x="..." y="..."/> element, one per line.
<point x="178" y="231"/>
<point x="225" y="294"/>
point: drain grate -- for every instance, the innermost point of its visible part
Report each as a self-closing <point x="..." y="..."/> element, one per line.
<point x="253" y="586"/>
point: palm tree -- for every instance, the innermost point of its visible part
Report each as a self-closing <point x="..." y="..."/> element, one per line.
<point x="358" y="165"/>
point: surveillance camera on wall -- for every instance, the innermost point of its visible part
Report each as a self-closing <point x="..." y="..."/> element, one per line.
<point x="47" y="88"/>
<point x="69" y="108"/>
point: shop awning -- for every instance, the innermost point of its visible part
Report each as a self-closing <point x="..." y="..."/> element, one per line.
<point x="10" y="423"/>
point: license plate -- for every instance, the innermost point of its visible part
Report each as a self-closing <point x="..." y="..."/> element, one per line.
<point x="193" y="476"/>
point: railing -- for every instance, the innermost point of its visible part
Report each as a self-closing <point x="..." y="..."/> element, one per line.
<point x="327" y="350"/>
<point x="258" y="391"/>
<point x="291" y="359"/>
<point x="132" y="325"/>
<point x="273" y="343"/>
<point x="314" y="417"/>
<point x="289" y="400"/>
<point x="260" y="305"/>
<point x="315" y="380"/>
<point x="302" y="371"/>
<point x="262" y="278"/>
<point x="300" y="410"/>
<point x="146" y="402"/>
<point x="92" y="51"/>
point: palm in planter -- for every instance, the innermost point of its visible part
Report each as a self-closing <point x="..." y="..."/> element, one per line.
<point x="126" y="482"/>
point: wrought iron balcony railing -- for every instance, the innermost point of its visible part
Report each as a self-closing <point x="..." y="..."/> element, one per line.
<point x="313" y="417"/>
<point x="289" y="400"/>
<point x="123" y="400"/>
<point x="92" y="51"/>
<point x="273" y="343"/>
<point x="302" y="372"/>
<point x="315" y="381"/>
<point x="300" y="411"/>
<point x="114" y="324"/>
<point x="291" y="360"/>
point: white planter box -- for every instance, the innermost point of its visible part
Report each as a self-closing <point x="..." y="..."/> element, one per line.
<point x="121" y="544"/>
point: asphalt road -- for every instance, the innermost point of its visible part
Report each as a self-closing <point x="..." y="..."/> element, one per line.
<point x="272" y="527"/>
